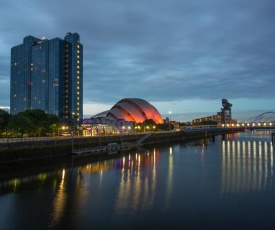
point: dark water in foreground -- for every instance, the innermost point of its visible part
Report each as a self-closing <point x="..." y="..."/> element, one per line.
<point x="225" y="184"/>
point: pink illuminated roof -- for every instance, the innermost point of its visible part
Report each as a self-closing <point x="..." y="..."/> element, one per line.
<point x="135" y="109"/>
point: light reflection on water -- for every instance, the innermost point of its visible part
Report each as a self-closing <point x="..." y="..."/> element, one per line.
<point x="246" y="166"/>
<point x="178" y="184"/>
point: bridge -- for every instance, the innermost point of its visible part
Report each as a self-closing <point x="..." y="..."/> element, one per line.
<point x="264" y="120"/>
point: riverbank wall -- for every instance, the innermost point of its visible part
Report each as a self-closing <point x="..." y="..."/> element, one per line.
<point x="24" y="150"/>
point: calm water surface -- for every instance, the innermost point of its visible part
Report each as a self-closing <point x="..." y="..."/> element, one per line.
<point x="221" y="184"/>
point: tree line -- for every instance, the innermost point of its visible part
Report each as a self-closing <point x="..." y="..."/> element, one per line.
<point x="37" y="123"/>
<point x="31" y="123"/>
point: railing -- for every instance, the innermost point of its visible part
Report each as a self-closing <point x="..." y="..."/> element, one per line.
<point x="11" y="140"/>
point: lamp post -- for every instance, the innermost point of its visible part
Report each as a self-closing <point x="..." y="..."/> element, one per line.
<point x="170" y="120"/>
<point x="62" y="128"/>
<point x="72" y="135"/>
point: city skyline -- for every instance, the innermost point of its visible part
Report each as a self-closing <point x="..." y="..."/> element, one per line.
<point x="180" y="56"/>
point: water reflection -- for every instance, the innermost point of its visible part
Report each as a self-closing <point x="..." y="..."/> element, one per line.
<point x="174" y="183"/>
<point x="136" y="191"/>
<point x="59" y="202"/>
<point x="247" y="166"/>
<point x="169" y="178"/>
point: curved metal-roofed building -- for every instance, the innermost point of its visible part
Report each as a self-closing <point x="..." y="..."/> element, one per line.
<point x="134" y="109"/>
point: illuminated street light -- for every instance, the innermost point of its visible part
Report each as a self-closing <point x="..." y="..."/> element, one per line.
<point x="170" y="120"/>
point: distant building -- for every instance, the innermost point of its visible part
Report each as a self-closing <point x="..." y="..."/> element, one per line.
<point x="222" y="117"/>
<point x="121" y="118"/>
<point x="225" y="112"/>
<point x="132" y="109"/>
<point x="103" y="126"/>
<point x="214" y="118"/>
<point x="48" y="75"/>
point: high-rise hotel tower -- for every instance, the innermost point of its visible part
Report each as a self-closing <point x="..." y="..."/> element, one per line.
<point x="48" y="75"/>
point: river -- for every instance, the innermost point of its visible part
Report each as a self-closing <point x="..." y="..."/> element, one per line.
<point x="226" y="183"/>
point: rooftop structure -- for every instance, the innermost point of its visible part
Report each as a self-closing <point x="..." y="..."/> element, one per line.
<point x="132" y="109"/>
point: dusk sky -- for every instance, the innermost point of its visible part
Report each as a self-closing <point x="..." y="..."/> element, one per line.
<point x="182" y="56"/>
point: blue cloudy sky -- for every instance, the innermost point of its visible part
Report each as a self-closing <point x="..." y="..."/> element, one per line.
<point x="182" y="56"/>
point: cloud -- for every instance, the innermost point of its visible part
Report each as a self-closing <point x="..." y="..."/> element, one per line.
<point x="161" y="51"/>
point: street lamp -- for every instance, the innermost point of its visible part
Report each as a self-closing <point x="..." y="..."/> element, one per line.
<point x="63" y="128"/>
<point x="170" y="120"/>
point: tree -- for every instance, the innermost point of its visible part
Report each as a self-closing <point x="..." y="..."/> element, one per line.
<point x="45" y="124"/>
<point x="4" y="120"/>
<point x="54" y="124"/>
<point x="20" y="124"/>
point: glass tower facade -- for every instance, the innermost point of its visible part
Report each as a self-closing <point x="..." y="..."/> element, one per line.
<point x="48" y="75"/>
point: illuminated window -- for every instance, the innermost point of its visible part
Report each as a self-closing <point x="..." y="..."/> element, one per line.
<point x="77" y="82"/>
<point x="77" y="92"/>
<point x="78" y="72"/>
<point x="77" y="56"/>
<point x="78" y="62"/>
<point x="77" y="66"/>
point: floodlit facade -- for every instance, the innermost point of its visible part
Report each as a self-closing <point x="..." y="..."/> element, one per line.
<point x="121" y="118"/>
<point x="48" y="75"/>
<point x="135" y="110"/>
<point x="103" y="126"/>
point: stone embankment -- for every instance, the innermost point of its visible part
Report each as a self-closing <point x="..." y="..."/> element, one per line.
<point x="56" y="146"/>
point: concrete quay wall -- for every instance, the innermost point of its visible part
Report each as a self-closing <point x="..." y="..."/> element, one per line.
<point x="14" y="151"/>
